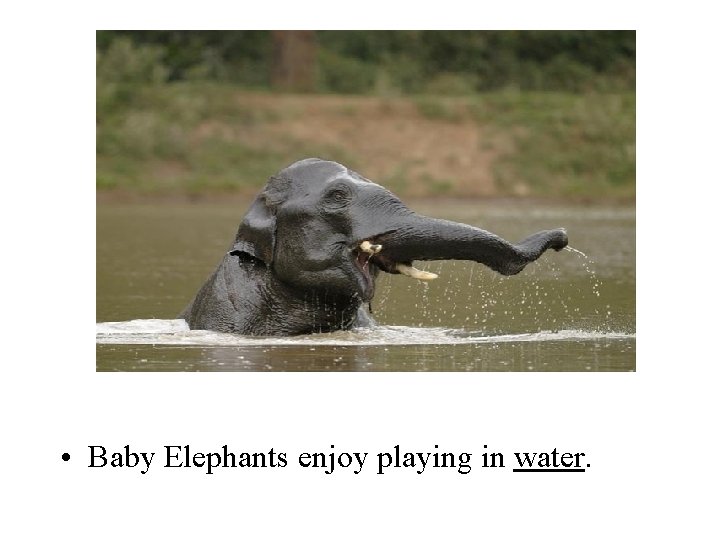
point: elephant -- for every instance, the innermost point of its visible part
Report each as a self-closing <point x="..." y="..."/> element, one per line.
<point x="307" y="253"/>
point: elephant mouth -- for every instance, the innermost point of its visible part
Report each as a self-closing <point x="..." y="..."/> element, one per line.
<point x="367" y="266"/>
<point x="369" y="258"/>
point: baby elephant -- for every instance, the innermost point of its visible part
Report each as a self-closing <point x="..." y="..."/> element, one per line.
<point x="307" y="253"/>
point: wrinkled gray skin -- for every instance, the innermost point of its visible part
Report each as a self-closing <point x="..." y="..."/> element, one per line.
<point x="296" y="268"/>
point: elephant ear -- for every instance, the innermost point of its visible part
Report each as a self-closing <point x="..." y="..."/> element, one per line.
<point x="256" y="235"/>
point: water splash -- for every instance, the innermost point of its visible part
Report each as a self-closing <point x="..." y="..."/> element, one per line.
<point x="587" y="263"/>
<point x="177" y="332"/>
<point x="573" y="250"/>
<point x="424" y="287"/>
<point x="595" y="284"/>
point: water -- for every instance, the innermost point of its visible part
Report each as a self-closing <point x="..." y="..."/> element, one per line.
<point x="570" y="311"/>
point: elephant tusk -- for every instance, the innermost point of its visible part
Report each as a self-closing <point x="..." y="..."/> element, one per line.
<point x="414" y="272"/>
<point x="367" y="247"/>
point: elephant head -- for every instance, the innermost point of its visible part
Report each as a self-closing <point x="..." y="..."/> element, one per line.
<point x="321" y="231"/>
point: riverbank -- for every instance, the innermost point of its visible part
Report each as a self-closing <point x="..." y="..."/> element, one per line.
<point x="207" y="141"/>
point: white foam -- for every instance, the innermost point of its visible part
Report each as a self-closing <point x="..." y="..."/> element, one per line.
<point x="177" y="332"/>
<point x="142" y="326"/>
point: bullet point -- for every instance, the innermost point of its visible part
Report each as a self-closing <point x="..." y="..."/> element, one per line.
<point x="66" y="456"/>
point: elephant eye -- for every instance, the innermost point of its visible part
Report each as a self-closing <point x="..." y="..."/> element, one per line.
<point x="337" y="196"/>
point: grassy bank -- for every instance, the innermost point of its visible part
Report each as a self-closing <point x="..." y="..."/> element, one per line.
<point x="203" y="137"/>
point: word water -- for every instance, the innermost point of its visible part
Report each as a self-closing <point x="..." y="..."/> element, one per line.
<point x="550" y="462"/>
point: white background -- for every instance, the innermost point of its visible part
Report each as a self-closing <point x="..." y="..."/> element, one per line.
<point x="649" y="436"/>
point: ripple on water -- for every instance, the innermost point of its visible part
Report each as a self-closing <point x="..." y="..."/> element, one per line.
<point x="177" y="332"/>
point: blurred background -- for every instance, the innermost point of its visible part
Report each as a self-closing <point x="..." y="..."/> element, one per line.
<point x="198" y="114"/>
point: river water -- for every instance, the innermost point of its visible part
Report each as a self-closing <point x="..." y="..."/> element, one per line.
<point x="570" y="311"/>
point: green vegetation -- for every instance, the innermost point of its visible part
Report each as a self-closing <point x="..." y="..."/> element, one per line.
<point x="400" y="62"/>
<point x="181" y="138"/>
<point x="536" y="113"/>
<point x="562" y="144"/>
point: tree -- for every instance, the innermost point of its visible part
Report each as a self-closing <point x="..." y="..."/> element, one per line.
<point x="293" y="60"/>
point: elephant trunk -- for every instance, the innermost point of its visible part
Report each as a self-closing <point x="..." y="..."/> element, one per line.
<point x="422" y="238"/>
